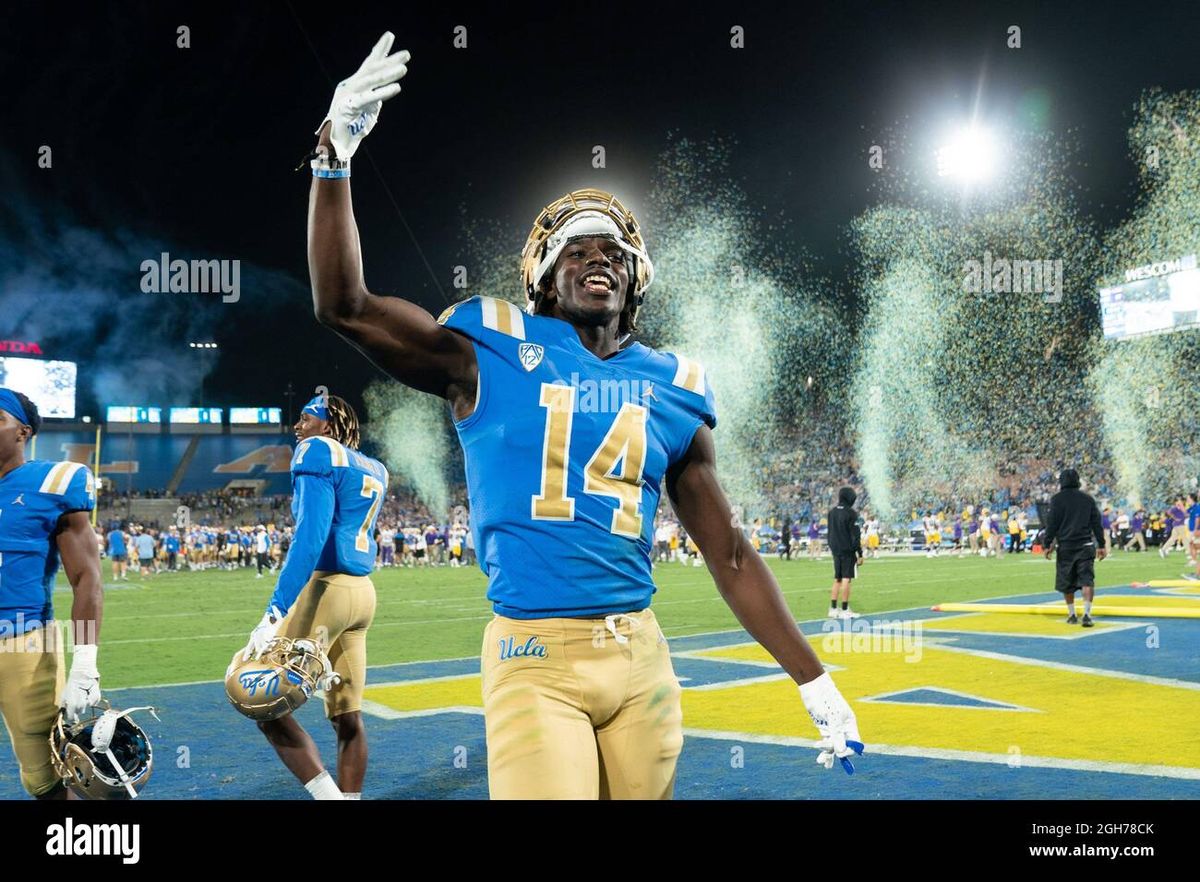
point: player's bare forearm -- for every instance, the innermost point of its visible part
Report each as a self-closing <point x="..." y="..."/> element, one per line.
<point x="81" y="561"/>
<point x="743" y="578"/>
<point x="402" y="338"/>
<point x="334" y="253"/>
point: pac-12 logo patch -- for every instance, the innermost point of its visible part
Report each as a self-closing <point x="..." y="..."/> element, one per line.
<point x="530" y="355"/>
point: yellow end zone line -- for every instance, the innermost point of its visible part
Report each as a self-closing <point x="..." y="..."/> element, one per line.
<point x="1020" y="660"/>
<point x="970" y="756"/>
<point x="936" y="626"/>
<point x="1149" y="612"/>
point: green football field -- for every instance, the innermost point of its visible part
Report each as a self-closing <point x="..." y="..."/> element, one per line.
<point x="184" y="627"/>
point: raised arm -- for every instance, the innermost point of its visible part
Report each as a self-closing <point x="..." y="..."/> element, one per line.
<point x="400" y="337"/>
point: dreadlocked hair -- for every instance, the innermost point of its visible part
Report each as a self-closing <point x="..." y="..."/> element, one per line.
<point x="343" y="422"/>
<point x="627" y="323"/>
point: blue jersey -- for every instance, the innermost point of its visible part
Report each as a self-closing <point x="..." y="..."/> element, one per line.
<point x="565" y="456"/>
<point x="32" y="499"/>
<point x="336" y="496"/>
<point x="116" y="543"/>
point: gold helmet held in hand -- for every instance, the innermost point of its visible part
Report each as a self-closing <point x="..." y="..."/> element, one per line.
<point x="280" y="680"/>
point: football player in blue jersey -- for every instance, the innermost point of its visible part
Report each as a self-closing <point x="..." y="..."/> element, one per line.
<point x="44" y="510"/>
<point x="570" y="430"/>
<point x="324" y="592"/>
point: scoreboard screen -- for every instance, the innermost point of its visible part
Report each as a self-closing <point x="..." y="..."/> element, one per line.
<point x="196" y="415"/>
<point x="255" y="416"/>
<point x="123" y="414"/>
<point x="49" y="384"/>
<point x="1156" y="305"/>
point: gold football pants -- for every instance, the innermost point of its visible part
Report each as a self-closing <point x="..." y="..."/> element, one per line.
<point x="336" y="610"/>
<point x="580" y="708"/>
<point x="31" y="684"/>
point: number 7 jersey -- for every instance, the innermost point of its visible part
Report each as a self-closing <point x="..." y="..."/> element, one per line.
<point x="337" y="494"/>
<point x="565" y="456"/>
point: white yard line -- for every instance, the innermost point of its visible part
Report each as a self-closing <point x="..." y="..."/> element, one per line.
<point x="970" y="756"/>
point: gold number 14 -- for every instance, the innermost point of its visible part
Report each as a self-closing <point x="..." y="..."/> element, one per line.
<point x="625" y="443"/>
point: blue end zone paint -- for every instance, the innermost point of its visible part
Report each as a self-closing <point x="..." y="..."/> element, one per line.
<point x="940" y="696"/>
<point x="1175" y="656"/>
<point x="777" y="772"/>
<point x="701" y="672"/>
<point x="414" y="758"/>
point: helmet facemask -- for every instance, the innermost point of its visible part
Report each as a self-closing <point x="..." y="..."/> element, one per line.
<point x="579" y="215"/>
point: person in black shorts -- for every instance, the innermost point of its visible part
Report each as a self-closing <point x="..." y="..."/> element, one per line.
<point x="1074" y="524"/>
<point x="846" y="548"/>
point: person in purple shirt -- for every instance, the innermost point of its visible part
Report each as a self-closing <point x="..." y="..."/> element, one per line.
<point x="1137" y="523"/>
<point x="958" y="535"/>
<point x="995" y="541"/>
<point x="433" y="547"/>
<point x="814" y="540"/>
<point x="1106" y="523"/>
<point x="973" y="534"/>
<point x="1177" y="528"/>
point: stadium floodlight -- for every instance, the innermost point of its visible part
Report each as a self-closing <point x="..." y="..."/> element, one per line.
<point x="202" y="345"/>
<point x="970" y="156"/>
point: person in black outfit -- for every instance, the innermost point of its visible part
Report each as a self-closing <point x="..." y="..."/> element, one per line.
<point x="785" y="539"/>
<point x="845" y="546"/>
<point x="1074" y="523"/>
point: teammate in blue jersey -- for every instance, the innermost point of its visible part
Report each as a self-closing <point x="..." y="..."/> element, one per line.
<point x="119" y="554"/>
<point x="324" y="592"/>
<point x="43" y="517"/>
<point x="570" y="429"/>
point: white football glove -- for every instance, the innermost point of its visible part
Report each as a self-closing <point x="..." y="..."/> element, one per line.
<point x="834" y="720"/>
<point x="264" y="632"/>
<point x="83" y="683"/>
<point x="358" y="99"/>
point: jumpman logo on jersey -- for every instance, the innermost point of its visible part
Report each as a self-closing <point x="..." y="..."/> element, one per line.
<point x="648" y="392"/>
<point x="20" y="500"/>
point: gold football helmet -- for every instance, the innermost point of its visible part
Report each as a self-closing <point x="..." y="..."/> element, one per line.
<point x="581" y="214"/>
<point x="280" y="680"/>
<point x="104" y="756"/>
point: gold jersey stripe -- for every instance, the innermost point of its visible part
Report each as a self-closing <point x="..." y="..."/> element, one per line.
<point x="689" y="375"/>
<point x="502" y="316"/>
<point x="449" y="311"/>
<point x="337" y="453"/>
<point x="59" y="478"/>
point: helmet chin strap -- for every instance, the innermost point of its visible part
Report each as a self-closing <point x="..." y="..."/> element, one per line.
<point x="121" y="772"/>
<point x="102" y="735"/>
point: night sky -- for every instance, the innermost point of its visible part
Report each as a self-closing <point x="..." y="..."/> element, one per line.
<point x="192" y="150"/>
